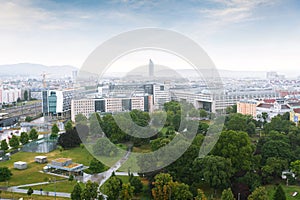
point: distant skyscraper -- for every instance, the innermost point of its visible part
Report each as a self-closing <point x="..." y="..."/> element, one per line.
<point x="151" y="68"/>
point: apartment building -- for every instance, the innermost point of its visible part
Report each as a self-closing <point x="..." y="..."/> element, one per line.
<point x="9" y="94"/>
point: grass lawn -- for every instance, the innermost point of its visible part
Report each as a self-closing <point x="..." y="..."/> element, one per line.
<point x="61" y="186"/>
<point x="109" y="160"/>
<point x="142" y="149"/>
<point x="32" y="174"/>
<point x="10" y="195"/>
<point x="289" y="190"/>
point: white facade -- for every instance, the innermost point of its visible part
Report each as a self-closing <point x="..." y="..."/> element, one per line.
<point x="137" y="103"/>
<point x="272" y="109"/>
<point x="9" y="95"/>
<point x="161" y="95"/>
<point x="109" y="105"/>
<point x="83" y="106"/>
<point x="20" y="165"/>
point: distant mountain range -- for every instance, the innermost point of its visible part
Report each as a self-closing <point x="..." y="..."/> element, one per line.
<point x="33" y="70"/>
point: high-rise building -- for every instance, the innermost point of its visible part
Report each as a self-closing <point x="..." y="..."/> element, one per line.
<point x="151" y="68"/>
<point x="57" y="102"/>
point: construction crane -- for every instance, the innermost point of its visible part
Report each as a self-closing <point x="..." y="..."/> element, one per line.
<point x="44" y="79"/>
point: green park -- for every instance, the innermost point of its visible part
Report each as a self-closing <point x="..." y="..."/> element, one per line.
<point x="252" y="159"/>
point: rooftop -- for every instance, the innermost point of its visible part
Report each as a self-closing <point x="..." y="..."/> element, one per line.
<point x="62" y="160"/>
<point x="265" y="105"/>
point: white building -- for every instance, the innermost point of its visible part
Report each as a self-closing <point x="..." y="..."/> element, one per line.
<point x="110" y="105"/>
<point x="9" y="94"/>
<point x="20" y="165"/>
<point x="57" y="102"/>
<point x="272" y="109"/>
<point x="83" y="106"/>
<point x="161" y="95"/>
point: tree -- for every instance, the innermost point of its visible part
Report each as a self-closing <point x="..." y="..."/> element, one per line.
<point x="5" y="174"/>
<point x="112" y="188"/>
<point x="4" y="145"/>
<point x="180" y="191"/>
<point x="237" y="147"/>
<point x="126" y="192"/>
<point x="162" y="186"/>
<point x="273" y="168"/>
<point x="278" y="124"/>
<point x="96" y="166"/>
<point x="29" y="191"/>
<point x="33" y="134"/>
<point x="24" y="138"/>
<point x="82" y="130"/>
<point x="295" y="166"/>
<point x="69" y="139"/>
<point x="203" y="113"/>
<point x="279" y="193"/>
<point x="90" y="191"/>
<point x="80" y="119"/>
<point x="28" y="119"/>
<point x="54" y="129"/>
<point x="95" y="128"/>
<point x="227" y="195"/>
<point x="259" y="194"/>
<point x="165" y="188"/>
<point x="76" y="193"/>
<point x="68" y="126"/>
<point x="14" y="142"/>
<point x="202" y="128"/>
<point x="278" y="149"/>
<point x="136" y="183"/>
<point x="237" y="122"/>
<point x="26" y="95"/>
<point x="71" y="178"/>
<point x="215" y="170"/>
<point x="200" y="195"/>
<point x="103" y="147"/>
<point x="265" y="116"/>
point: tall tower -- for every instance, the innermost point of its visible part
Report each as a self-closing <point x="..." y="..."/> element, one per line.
<point x="151" y="68"/>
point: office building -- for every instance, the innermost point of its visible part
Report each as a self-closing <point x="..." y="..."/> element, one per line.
<point x="110" y="105"/>
<point x="57" y="102"/>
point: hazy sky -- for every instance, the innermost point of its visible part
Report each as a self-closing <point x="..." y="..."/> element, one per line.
<point x="236" y="34"/>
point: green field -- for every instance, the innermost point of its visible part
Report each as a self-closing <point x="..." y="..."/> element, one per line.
<point x="289" y="190"/>
<point x="32" y="174"/>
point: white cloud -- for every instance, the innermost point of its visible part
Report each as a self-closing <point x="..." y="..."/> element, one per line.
<point x="235" y="11"/>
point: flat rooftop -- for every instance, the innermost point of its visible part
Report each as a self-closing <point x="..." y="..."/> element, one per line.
<point x="62" y="160"/>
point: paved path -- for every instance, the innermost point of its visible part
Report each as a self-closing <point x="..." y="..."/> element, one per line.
<point x="106" y="175"/>
<point x="37" y="192"/>
<point x="114" y="168"/>
<point x="126" y="173"/>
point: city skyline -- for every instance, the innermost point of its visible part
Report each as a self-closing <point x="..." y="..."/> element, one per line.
<point x="259" y="35"/>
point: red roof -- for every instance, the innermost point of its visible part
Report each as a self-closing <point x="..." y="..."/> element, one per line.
<point x="265" y="105"/>
<point x="297" y="110"/>
<point x="269" y="100"/>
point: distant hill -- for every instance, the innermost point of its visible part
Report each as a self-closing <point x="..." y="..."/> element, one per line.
<point x="29" y="69"/>
<point x="229" y="73"/>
